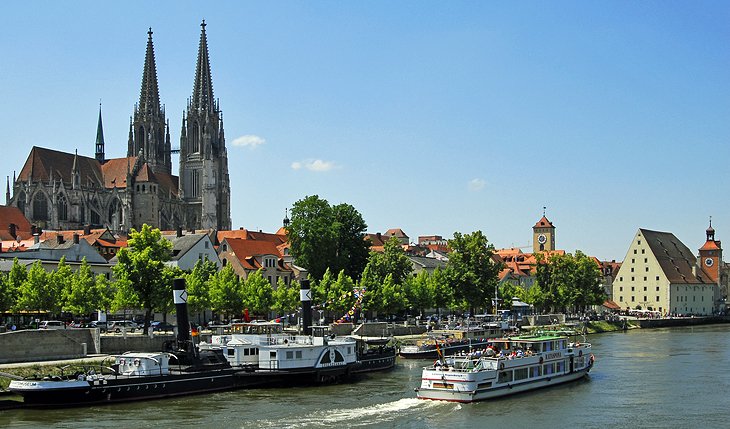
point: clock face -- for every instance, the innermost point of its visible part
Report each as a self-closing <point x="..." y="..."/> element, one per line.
<point x="541" y="239"/>
<point x="709" y="262"/>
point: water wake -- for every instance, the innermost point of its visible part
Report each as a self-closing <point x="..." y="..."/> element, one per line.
<point x="370" y="415"/>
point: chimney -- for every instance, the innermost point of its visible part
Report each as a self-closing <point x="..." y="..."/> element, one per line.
<point x="12" y="229"/>
<point x="179" y="232"/>
<point x="694" y="270"/>
<point x="59" y="239"/>
<point x="87" y="229"/>
<point x="76" y="238"/>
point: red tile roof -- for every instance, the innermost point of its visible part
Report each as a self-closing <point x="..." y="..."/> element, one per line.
<point x="543" y="223"/>
<point x="115" y="171"/>
<point x="13" y="215"/>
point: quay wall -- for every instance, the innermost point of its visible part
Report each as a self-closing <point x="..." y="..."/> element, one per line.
<point x="139" y="343"/>
<point x="681" y="321"/>
<point x="35" y="345"/>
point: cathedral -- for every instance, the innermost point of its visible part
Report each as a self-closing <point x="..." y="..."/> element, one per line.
<point x="58" y="191"/>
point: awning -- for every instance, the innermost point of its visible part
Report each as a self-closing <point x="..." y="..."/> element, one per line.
<point x="611" y="305"/>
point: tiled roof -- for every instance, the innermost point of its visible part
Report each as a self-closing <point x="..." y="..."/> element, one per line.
<point x="115" y="171"/>
<point x="246" y="248"/>
<point x="396" y="232"/>
<point x="710" y="245"/>
<point x="428" y="263"/>
<point x="675" y="259"/>
<point x="42" y="163"/>
<point x="244" y="234"/>
<point x="13" y="215"/>
<point x="543" y="223"/>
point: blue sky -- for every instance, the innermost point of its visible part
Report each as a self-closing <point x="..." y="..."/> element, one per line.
<point x="430" y="116"/>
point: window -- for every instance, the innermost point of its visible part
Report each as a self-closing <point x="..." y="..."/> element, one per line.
<point x="632" y="269"/>
<point x="621" y="298"/>
<point x="646" y="260"/>
<point x="206" y="245"/>
<point x="620" y="288"/>
<point x="621" y="279"/>
<point x="62" y="208"/>
<point x="657" y="278"/>
<point x="657" y="288"/>
<point x="632" y="298"/>
<point x="647" y="270"/>
<point x="644" y="298"/>
<point x="299" y="354"/>
<point x="633" y="260"/>
<point x="657" y="298"/>
<point x="40" y="206"/>
<point x="632" y="288"/>
<point x="644" y="286"/>
<point x="643" y="251"/>
<point x="634" y="251"/>
<point x="644" y="280"/>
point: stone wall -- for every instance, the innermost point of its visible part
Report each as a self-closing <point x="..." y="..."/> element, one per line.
<point x="34" y="345"/>
<point x="114" y="344"/>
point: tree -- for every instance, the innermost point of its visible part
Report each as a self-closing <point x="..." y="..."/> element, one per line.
<point x="352" y="250"/>
<point x="568" y="280"/>
<point x="226" y="294"/>
<point x="198" y="287"/>
<point x="258" y="295"/>
<point x="286" y="297"/>
<point x="419" y="293"/>
<point x="472" y="270"/>
<point x="7" y="293"/>
<point x="391" y="262"/>
<point x="443" y="294"/>
<point x="32" y="292"/>
<point x="391" y="297"/>
<point x="80" y="292"/>
<point x="322" y="236"/>
<point x="142" y="264"/>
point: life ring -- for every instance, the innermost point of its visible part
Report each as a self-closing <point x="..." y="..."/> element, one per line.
<point x="121" y="361"/>
<point x="580" y="352"/>
<point x="136" y="362"/>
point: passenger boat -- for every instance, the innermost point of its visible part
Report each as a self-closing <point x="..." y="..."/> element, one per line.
<point x="374" y="354"/>
<point x="181" y="369"/>
<point x="264" y="355"/>
<point x="505" y="367"/>
<point x="448" y="341"/>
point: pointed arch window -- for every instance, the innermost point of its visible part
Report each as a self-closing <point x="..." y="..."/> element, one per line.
<point x="62" y="208"/>
<point x="195" y="137"/>
<point x="40" y="206"/>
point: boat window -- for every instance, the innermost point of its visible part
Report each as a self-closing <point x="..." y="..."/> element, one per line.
<point x="246" y="352"/>
<point x="486" y="385"/>
<point x="272" y="355"/>
<point x="231" y="352"/>
<point x="299" y="354"/>
<point x="504" y="377"/>
<point x="536" y="371"/>
<point x="548" y="369"/>
<point x="520" y="374"/>
<point x="339" y="357"/>
<point x="289" y="354"/>
<point x="561" y="366"/>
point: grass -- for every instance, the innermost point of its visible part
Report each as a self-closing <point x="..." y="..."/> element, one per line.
<point x="598" y="326"/>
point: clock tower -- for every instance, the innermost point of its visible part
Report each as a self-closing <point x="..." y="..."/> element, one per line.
<point x="543" y="235"/>
<point x="711" y="255"/>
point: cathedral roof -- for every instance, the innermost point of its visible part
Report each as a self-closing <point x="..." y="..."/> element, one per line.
<point x="43" y="163"/>
<point x="115" y="171"/>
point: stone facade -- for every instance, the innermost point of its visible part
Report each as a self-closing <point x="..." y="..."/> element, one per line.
<point x="57" y="190"/>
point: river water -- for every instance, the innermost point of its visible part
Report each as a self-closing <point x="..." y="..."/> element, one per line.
<point x="678" y="377"/>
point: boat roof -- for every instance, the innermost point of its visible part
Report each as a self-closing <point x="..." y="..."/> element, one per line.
<point x="542" y="336"/>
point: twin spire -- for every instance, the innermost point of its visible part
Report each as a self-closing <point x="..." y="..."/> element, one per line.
<point x="149" y="97"/>
<point x="203" y="86"/>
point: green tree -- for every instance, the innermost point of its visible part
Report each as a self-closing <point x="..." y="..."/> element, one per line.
<point x="124" y="295"/>
<point x="7" y="293"/>
<point x="226" y="294"/>
<point x="198" y="287"/>
<point x="32" y="292"/>
<point x="391" y="296"/>
<point x="103" y="293"/>
<point x="258" y="294"/>
<point x="142" y="263"/>
<point x="473" y="271"/>
<point x="80" y="292"/>
<point x="322" y="236"/>
<point x="352" y="250"/>
<point x="419" y="292"/>
<point x="443" y="294"/>
<point x="286" y="297"/>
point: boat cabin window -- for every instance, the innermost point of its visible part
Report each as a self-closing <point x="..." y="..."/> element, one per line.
<point x="548" y="369"/>
<point x="299" y="354"/>
<point x="535" y="371"/>
<point x="504" y="377"/>
<point x="520" y="374"/>
<point x="272" y="355"/>
<point x="231" y="352"/>
<point x="289" y="354"/>
<point x="257" y="328"/>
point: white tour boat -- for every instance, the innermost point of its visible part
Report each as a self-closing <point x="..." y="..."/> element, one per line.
<point x="506" y="366"/>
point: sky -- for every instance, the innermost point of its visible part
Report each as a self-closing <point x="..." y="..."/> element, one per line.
<point x="433" y="117"/>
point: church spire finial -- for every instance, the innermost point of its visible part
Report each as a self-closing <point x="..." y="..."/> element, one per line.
<point x="543" y="210"/>
<point x="203" y="86"/>
<point x="149" y="97"/>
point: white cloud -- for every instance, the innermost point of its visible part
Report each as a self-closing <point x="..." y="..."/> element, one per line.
<point x="314" y="165"/>
<point x="249" y="140"/>
<point x="477" y="184"/>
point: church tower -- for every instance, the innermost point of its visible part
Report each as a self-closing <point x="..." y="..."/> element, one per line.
<point x="543" y="235"/>
<point x="711" y="254"/>
<point x="204" y="182"/>
<point x="100" y="139"/>
<point x="148" y="131"/>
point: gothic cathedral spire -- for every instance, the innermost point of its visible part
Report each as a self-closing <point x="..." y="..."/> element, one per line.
<point x="100" y="139"/>
<point x="149" y="128"/>
<point x="204" y="181"/>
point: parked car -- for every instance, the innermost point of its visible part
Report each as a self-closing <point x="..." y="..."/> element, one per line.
<point x="118" y="325"/>
<point x="52" y="324"/>
<point x="162" y="327"/>
<point x="103" y="326"/>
